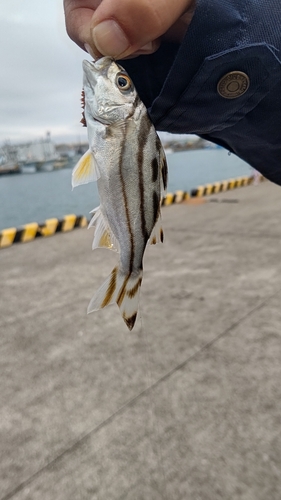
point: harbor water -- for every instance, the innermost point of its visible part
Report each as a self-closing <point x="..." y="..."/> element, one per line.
<point x="35" y="197"/>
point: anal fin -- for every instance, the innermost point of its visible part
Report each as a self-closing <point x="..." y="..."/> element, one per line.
<point x="103" y="237"/>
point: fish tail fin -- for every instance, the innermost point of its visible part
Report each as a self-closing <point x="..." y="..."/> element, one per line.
<point x="122" y="289"/>
<point x="128" y="298"/>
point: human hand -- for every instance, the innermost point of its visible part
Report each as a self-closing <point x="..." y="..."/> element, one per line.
<point x="126" y="28"/>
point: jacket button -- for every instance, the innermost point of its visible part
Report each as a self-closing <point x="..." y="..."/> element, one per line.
<point x="233" y="85"/>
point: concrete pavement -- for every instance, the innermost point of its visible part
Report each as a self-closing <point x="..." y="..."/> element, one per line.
<point x="187" y="405"/>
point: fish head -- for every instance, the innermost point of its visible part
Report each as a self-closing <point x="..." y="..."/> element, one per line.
<point x="110" y="95"/>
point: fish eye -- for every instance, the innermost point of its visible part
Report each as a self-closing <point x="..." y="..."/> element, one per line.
<point x="123" y="82"/>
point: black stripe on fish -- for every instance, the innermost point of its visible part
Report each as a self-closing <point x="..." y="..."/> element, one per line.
<point x="158" y="144"/>
<point x="132" y="252"/>
<point x="145" y="126"/>
<point x="164" y="171"/>
<point x="137" y="102"/>
<point x="130" y="321"/>
<point x="131" y="293"/>
<point x="163" y="166"/>
<point x="122" y="292"/>
<point x="111" y="289"/>
<point x="155" y="169"/>
<point x="156" y="206"/>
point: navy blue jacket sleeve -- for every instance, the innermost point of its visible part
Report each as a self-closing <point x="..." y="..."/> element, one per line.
<point x="178" y="84"/>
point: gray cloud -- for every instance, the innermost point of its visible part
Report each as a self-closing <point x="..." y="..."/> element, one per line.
<point x="41" y="72"/>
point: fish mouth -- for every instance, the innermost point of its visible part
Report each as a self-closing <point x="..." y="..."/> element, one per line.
<point x="91" y="67"/>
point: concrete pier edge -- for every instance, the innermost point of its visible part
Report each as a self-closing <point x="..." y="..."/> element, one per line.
<point x="32" y="230"/>
<point x="185" y="407"/>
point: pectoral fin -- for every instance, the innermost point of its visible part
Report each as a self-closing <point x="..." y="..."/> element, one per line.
<point x="85" y="171"/>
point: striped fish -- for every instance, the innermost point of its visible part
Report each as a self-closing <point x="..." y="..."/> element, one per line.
<point x="128" y="162"/>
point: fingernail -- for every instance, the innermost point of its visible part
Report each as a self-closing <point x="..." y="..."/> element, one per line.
<point x="90" y="51"/>
<point x="148" y="47"/>
<point x="110" y="39"/>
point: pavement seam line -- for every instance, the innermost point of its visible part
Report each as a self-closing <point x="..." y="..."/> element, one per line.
<point x="228" y="233"/>
<point x="129" y="403"/>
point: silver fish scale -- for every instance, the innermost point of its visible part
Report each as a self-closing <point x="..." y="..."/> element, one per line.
<point x="127" y="195"/>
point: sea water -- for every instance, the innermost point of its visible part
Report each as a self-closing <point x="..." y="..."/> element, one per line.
<point x="35" y="197"/>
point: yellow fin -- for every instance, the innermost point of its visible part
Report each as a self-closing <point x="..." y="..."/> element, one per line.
<point x="105" y="241"/>
<point x="103" y="237"/>
<point x="85" y="171"/>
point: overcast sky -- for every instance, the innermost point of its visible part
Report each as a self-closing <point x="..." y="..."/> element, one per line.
<point x="41" y="73"/>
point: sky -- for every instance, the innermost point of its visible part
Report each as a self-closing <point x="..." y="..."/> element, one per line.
<point x="41" y="73"/>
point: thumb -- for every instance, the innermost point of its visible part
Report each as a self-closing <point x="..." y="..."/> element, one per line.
<point x="120" y="28"/>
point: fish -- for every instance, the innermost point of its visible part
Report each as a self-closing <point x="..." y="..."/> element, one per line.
<point x="127" y="160"/>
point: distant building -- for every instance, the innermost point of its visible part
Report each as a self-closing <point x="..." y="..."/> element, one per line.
<point x="37" y="151"/>
<point x="40" y="154"/>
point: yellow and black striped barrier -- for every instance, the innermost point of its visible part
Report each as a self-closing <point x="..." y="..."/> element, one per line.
<point x="219" y="187"/>
<point x="33" y="230"/>
<point x="208" y="189"/>
<point x="177" y="197"/>
<point x="29" y="232"/>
